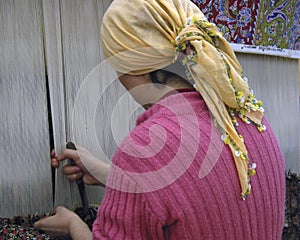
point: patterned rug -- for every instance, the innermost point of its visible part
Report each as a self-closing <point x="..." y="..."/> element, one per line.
<point x="291" y="229"/>
<point x="21" y="228"/>
<point x="273" y="23"/>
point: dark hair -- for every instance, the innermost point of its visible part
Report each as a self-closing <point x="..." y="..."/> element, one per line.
<point x="161" y="76"/>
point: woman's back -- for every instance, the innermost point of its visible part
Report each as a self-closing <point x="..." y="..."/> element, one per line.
<point x="193" y="193"/>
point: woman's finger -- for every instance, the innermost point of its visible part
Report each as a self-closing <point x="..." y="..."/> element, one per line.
<point x="47" y="224"/>
<point x="41" y="223"/>
<point x="75" y="176"/>
<point x="54" y="163"/>
<point x="71" y="169"/>
<point x="53" y="153"/>
<point x="58" y="223"/>
<point x="69" y="154"/>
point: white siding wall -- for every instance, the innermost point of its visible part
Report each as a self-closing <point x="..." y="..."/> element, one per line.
<point x="25" y="176"/>
<point x="275" y="81"/>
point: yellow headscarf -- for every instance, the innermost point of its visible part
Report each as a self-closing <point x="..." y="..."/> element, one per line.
<point x="140" y="36"/>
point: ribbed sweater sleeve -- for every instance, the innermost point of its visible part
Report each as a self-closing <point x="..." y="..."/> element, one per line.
<point x="126" y="211"/>
<point x="126" y="216"/>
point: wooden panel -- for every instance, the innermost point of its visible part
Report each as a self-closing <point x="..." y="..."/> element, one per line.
<point x="25" y="175"/>
<point x="275" y="81"/>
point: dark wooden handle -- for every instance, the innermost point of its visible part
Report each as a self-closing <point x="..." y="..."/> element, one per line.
<point x="80" y="184"/>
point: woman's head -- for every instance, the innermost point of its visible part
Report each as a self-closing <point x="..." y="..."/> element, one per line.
<point x="142" y="36"/>
<point x="148" y="88"/>
<point x="138" y="36"/>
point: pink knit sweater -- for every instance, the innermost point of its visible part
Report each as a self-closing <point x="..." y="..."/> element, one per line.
<point x="180" y="182"/>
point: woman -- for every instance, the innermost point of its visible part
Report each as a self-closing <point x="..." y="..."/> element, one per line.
<point x="184" y="172"/>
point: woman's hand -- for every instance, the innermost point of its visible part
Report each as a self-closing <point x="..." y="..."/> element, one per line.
<point x="64" y="223"/>
<point x="85" y="162"/>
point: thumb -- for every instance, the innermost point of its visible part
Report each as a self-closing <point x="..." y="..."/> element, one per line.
<point x="51" y="225"/>
<point x="47" y="221"/>
<point x="41" y="224"/>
